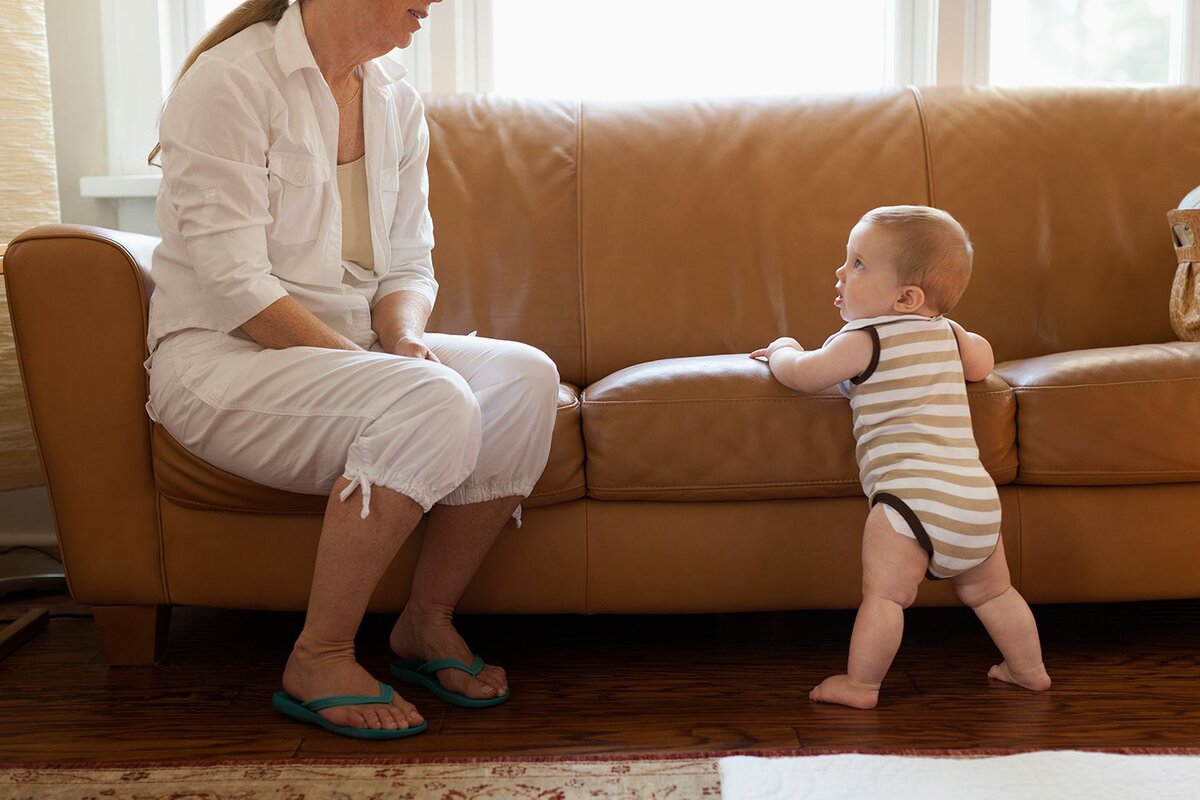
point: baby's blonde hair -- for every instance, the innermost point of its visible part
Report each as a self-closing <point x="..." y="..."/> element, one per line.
<point x="932" y="251"/>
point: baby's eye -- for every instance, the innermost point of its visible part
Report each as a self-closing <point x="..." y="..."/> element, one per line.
<point x="858" y="264"/>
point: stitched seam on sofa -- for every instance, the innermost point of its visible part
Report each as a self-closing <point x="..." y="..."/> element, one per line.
<point x="1117" y="385"/>
<point x="200" y="505"/>
<point x="583" y="340"/>
<point x="736" y="400"/>
<point x="925" y="141"/>
<point x="658" y="487"/>
<point x="162" y="549"/>
<point x="668" y="486"/>
<point x="1194" y="471"/>
<point x="568" y="490"/>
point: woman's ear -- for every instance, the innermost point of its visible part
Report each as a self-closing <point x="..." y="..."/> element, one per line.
<point x="911" y="298"/>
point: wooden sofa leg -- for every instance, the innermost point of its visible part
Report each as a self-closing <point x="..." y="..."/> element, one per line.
<point x="133" y="634"/>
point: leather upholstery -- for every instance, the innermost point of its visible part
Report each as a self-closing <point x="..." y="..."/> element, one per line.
<point x="714" y="226"/>
<point x="647" y="247"/>
<point x="1116" y="416"/>
<point x="720" y="428"/>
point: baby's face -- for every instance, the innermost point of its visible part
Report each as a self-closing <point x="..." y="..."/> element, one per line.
<point x="868" y="284"/>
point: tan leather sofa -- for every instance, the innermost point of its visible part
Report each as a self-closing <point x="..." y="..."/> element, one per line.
<point x="647" y="248"/>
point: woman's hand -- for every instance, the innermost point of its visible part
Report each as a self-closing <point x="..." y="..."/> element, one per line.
<point x="780" y="343"/>
<point x="412" y="346"/>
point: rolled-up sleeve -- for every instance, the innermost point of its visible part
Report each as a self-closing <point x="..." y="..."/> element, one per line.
<point x="214" y="155"/>
<point x="411" y="235"/>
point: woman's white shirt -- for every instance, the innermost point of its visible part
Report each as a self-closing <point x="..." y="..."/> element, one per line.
<point x="248" y="207"/>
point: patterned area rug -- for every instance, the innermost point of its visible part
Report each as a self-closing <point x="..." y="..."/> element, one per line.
<point x="630" y="778"/>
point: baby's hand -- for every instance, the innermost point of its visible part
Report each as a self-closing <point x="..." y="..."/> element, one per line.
<point x="768" y="351"/>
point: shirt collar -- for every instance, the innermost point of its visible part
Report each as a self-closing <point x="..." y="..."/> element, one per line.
<point x="293" y="52"/>
<point x="291" y="45"/>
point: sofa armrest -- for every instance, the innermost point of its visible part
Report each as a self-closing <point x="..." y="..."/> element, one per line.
<point x="78" y="298"/>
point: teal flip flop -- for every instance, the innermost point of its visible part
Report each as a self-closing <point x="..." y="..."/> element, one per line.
<point x="284" y="703"/>
<point x="424" y="674"/>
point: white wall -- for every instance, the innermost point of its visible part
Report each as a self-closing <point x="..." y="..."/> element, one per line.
<point x="77" y="89"/>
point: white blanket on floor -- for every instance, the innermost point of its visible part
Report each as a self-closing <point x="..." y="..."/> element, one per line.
<point x="1057" y="775"/>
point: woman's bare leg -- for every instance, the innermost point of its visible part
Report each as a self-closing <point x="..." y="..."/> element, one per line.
<point x="456" y="540"/>
<point x="351" y="558"/>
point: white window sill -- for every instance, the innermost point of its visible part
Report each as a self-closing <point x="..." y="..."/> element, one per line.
<point x="119" y="186"/>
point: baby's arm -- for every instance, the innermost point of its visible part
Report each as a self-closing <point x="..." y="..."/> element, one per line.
<point x="976" y="352"/>
<point x="815" y="371"/>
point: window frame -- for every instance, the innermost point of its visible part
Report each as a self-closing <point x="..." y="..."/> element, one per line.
<point x="935" y="42"/>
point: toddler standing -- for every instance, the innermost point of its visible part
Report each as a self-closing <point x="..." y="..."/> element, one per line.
<point x="934" y="509"/>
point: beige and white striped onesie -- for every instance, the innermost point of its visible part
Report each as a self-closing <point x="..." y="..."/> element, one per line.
<point x="916" y="449"/>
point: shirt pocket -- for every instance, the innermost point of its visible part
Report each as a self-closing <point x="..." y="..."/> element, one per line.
<point x="298" y="191"/>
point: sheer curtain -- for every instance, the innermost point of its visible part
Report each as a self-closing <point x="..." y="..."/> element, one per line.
<point x="28" y="197"/>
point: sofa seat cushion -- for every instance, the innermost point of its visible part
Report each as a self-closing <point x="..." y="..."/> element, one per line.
<point x="721" y="428"/>
<point x="1116" y="415"/>
<point x="190" y="481"/>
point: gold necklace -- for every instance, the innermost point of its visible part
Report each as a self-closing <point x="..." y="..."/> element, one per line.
<point x="352" y="97"/>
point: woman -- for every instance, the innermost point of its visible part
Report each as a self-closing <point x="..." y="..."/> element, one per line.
<point x="288" y="342"/>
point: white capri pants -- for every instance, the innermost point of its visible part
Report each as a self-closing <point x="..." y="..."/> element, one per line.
<point x="476" y="427"/>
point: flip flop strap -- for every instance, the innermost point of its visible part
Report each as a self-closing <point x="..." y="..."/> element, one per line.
<point x="430" y="667"/>
<point x="384" y="698"/>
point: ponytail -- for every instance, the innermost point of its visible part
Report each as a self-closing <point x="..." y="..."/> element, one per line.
<point x="250" y="12"/>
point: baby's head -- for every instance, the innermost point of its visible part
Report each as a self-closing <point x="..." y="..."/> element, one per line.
<point x="904" y="260"/>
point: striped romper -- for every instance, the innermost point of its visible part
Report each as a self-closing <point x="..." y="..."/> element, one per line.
<point x="916" y="451"/>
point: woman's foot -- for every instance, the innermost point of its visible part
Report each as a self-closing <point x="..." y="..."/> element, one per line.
<point x="1035" y="680"/>
<point x="843" y="691"/>
<point x="425" y="635"/>
<point x="309" y="676"/>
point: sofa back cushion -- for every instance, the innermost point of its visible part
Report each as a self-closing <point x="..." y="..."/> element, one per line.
<point x="1065" y="192"/>
<point x="504" y="202"/>
<point x="612" y="234"/>
<point x="714" y="226"/>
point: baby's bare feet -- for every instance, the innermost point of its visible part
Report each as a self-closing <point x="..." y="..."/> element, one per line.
<point x="843" y="691"/>
<point x="309" y="677"/>
<point x="425" y="635"/>
<point x="1035" y="680"/>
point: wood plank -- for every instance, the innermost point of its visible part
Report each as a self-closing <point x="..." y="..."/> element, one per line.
<point x="1125" y="677"/>
<point x="17" y="633"/>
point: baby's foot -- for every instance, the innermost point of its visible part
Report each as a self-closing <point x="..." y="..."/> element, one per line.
<point x="425" y="636"/>
<point x="843" y="691"/>
<point x="307" y="678"/>
<point x="1035" y="680"/>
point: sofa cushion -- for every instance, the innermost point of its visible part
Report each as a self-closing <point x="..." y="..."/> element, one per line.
<point x="721" y="428"/>
<point x="190" y="481"/>
<point x="1116" y="415"/>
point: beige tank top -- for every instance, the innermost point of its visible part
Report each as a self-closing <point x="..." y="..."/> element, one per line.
<point x="356" y="219"/>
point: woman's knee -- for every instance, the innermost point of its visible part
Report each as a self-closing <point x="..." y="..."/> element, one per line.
<point x="445" y="400"/>
<point x="533" y="370"/>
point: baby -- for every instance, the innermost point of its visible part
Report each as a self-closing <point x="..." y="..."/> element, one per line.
<point x="934" y="510"/>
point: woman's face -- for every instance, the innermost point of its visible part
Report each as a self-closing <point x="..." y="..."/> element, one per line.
<point x="398" y="20"/>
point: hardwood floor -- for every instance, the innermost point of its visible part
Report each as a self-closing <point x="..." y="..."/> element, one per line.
<point x="1126" y="676"/>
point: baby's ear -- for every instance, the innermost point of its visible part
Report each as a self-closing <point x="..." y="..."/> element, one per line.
<point x="911" y="298"/>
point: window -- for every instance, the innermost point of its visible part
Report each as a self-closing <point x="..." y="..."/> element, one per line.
<point x="669" y="48"/>
<point x="662" y="48"/>
<point x="1073" y="42"/>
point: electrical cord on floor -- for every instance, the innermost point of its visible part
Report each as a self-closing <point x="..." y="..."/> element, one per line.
<point x="51" y="615"/>
<point x="48" y="553"/>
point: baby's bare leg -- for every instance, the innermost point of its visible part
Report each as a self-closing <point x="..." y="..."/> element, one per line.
<point x="893" y="566"/>
<point x="988" y="589"/>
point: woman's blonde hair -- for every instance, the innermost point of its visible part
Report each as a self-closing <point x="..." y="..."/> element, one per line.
<point x="250" y="12"/>
<point x="932" y="250"/>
